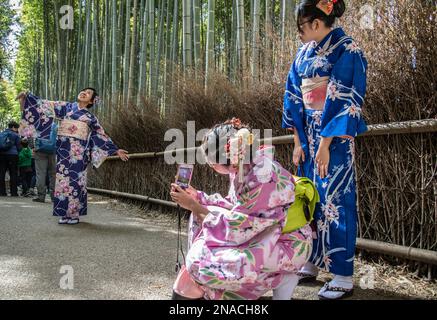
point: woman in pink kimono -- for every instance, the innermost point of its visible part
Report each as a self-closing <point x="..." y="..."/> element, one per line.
<point x="236" y="246"/>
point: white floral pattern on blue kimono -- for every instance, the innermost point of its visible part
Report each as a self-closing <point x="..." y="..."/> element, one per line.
<point x="72" y="154"/>
<point x="338" y="57"/>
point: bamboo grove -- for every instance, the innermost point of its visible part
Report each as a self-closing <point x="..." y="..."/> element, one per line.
<point x="131" y="50"/>
<point x="199" y="60"/>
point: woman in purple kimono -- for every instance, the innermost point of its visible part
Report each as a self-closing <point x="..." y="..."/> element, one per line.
<point x="81" y="140"/>
<point x="236" y="246"/>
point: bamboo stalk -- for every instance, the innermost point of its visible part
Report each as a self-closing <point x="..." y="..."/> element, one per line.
<point x="133" y="55"/>
<point x="142" y="82"/>
<point x="255" y="40"/>
<point x="241" y="39"/>
<point x="209" y="64"/>
<point x="196" y="35"/>
<point x="126" y="56"/>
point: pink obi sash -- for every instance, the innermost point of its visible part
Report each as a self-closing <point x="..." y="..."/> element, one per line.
<point x="74" y="129"/>
<point x="314" y="91"/>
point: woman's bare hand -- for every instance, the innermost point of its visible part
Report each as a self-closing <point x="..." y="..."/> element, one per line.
<point x="298" y="155"/>
<point x="123" y="154"/>
<point x="322" y="161"/>
<point x="182" y="197"/>
<point x="192" y="192"/>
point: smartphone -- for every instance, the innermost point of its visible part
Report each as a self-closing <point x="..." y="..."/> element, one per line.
<point x="185" y="173"/>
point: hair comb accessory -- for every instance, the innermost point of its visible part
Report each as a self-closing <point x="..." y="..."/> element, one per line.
<point x="244" y="138"/>
<point x="327" y="6"/>
<point x="237" y="143"/>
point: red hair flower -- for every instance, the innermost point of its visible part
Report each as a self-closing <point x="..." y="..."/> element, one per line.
<point x="236" y="122"/>
<point x="327" y="6"/>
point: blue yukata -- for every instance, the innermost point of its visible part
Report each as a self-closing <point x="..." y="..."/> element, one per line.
<point x="324" y="95"/>
<point x="81" y="140"/>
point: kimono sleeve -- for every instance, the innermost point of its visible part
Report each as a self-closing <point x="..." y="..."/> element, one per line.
<point x="345" y="96"/>
<point x="215" y="199"/>
<point x="292" y="99"/>
<point x="38" y="116"/>
<point x="259" y="207"/>
<point x="101" y="145"/>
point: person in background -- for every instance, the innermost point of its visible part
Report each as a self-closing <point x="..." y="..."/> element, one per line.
<point x="9" y="148"/>
<point x="45" y="169"/>
<point x="33" y="180"/>
<point x="25" y="167"/>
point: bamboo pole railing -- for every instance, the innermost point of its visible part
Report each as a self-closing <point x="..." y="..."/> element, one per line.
<point x="409" y="253"/>
<point x="407" y="127"/>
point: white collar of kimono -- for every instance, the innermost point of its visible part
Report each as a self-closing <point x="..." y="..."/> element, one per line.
<point x="314" y="44"/>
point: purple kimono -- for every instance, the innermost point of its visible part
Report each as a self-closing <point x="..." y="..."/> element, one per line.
<point x="239" y="251"/>
<point x="73" y="153"/>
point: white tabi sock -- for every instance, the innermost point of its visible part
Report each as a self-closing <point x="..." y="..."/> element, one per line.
<point x="343" y="282"/>
<point x="285" y="290"/>
<point x="338" y="281"/>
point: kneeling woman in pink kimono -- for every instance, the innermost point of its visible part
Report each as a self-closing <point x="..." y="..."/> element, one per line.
<point x="237" y="249"/>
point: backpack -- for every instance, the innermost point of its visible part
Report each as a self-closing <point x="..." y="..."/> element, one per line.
<point x="301" y="211"/>
<point x="47" y="145"/>
<point x="6" y="142"/>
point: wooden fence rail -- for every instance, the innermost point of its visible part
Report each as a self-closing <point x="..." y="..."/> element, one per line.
<point x="408" y="127"/>
<point x="409" y="253"/>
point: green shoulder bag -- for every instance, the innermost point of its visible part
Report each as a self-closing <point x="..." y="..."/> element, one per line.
<point x="301" y="211"/>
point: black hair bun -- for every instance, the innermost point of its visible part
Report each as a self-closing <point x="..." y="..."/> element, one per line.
<point x="339" y="9"/>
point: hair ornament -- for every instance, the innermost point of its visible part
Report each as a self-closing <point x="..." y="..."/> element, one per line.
<point x="327" y="6"/>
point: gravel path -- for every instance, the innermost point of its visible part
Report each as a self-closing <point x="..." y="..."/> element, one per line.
<point x="113" y="253"/>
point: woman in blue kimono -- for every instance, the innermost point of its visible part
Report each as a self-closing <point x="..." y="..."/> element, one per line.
<point x="81" y="140"/>
<point x="324" y="95"/>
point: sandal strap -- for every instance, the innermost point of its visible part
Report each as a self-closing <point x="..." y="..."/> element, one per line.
<point x="337" y="289"/>
<point x="305" y="275"/>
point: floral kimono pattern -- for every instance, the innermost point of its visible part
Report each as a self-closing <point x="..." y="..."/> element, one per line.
<point x="339" y="59"/>
<point x="72" y="154"/>
<point x="239" y="251"/>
